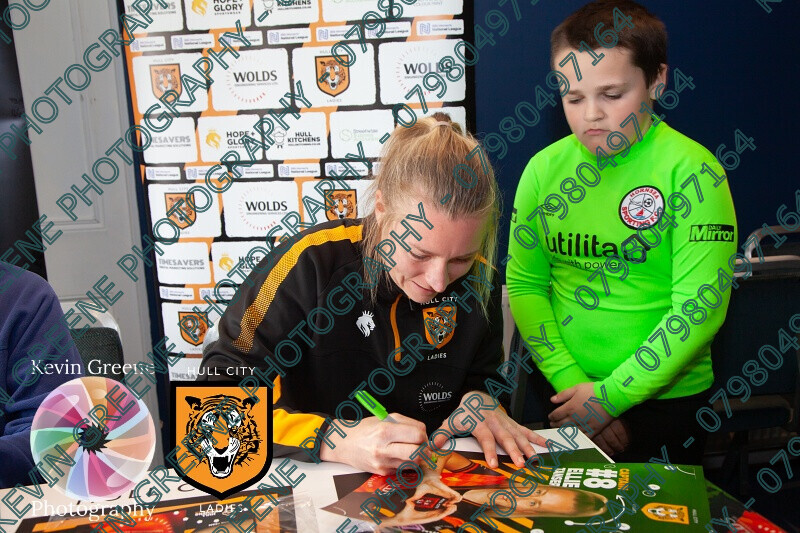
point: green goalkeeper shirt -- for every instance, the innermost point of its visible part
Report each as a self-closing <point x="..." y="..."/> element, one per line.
<point x="547" y="267"/>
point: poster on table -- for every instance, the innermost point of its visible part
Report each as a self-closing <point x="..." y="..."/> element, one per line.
<point x="583" y="492"/>
<point x="276" y="48"/>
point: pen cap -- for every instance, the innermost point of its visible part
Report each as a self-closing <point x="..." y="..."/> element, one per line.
<point x="371" y="404"/>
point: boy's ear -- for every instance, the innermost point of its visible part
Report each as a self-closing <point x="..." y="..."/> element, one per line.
<point x="660" y="78"/>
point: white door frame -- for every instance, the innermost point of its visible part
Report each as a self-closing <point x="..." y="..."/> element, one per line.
<point x="55" y="38"/>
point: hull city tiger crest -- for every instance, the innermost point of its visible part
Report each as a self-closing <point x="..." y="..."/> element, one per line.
<point x="338" y="76"/>
<point x="165" y="78"/>
<point x="340" y="204"/>
<point x="225" y="433"/>
<point x="184" y="216"/>
<point x="194" y="326"/>
<point x="439" y="328"/>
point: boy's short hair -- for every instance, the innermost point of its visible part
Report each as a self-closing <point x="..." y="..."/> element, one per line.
<point x="647" y="41"/>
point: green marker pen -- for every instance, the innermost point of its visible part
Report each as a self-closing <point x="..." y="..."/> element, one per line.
<point x="373" y="406"/>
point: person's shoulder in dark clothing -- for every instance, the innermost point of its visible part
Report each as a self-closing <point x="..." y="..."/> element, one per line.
<point x="36" y="356"/>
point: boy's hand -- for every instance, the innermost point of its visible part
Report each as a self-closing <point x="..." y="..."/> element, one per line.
<point x="573" y="399"/>
<point x="496" y="427"/>
<point x="614" y="438"/>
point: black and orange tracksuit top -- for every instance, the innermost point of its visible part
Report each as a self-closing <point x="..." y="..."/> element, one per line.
<point x="309" y="272"/>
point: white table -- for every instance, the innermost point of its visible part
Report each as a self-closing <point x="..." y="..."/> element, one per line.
<point x="316" y="491"/>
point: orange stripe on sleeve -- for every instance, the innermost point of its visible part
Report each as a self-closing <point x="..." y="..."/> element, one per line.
<point x="291" y="429"/>
<point x="258" y="309"/>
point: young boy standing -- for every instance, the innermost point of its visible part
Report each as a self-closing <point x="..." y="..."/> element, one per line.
<point x="618" y="231"/>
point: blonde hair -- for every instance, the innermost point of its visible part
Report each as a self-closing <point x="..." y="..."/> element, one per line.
<point x="422" y="159"/>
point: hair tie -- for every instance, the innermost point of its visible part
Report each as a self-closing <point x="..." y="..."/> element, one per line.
<point x="442" y="123"/>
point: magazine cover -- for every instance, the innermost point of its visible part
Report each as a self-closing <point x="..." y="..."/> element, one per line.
<point x="580" y="494"/>
<point x="196" y="515"/>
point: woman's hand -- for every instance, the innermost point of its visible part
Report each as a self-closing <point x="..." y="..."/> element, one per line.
<point x="572" y="400"/>
<point x="378" y="446"/>
<point x="496" y="427"/>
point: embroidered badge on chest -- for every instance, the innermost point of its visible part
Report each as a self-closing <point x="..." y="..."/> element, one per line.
<point x="641" y="207"/>
<point x="440" y="324"/>
<point x="365" y="324"/>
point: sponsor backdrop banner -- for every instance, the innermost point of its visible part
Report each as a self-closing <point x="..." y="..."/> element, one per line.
<point x="350" y="114"/>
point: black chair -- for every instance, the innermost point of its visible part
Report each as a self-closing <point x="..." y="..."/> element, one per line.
<point x="100" y="348"/>
<point x="530" y="401"/>
<point x="761" y="305"/>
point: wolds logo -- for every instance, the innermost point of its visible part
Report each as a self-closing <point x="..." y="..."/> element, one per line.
<point x="226" y="431"/>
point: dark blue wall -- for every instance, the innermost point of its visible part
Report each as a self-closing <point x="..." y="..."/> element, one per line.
<point x="744" y="64"/>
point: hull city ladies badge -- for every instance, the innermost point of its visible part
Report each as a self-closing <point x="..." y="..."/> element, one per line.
<point x="165" y="78"/>
<point x="439" y="328"/>
<point x="333" y="78"/>
<point x="223" y="434"/>
<point x="341" y="203"/>
<point x="183" y="216"/>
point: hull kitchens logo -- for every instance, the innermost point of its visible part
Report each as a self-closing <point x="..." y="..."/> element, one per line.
<point x="165" y="78"/>
<point x="338" y="76"/>
<point x="641" y="207"/>
<point x="226" y="430"/>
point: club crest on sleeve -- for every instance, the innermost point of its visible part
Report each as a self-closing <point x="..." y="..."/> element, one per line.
<point x="439" y="327"/>
<point x="641" y="207"/>
<point x="223" y="433"/>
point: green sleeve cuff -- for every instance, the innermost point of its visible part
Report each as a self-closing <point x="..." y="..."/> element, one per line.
<point x="615" y="395"/>
<point x="568" y="377"/>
